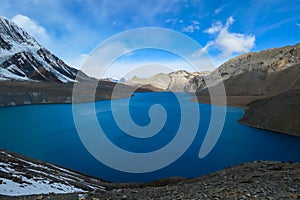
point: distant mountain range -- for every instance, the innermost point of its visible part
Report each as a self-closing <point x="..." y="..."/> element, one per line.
<point x="178" y="81"/>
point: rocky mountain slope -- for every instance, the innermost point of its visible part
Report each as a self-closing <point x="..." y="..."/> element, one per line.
<point x="26" y="92"/>
<point x="23" y="58"/>
<point x="178" y="81"/>
<point x="268" y="72"/>
<point x="277" y="113"/>
<point x="268" y="83"/>
<point x="30" y="74"/>
<point x="25" y="178"/>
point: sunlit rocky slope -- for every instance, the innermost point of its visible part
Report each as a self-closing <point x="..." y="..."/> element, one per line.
<point x="268" y="83"/>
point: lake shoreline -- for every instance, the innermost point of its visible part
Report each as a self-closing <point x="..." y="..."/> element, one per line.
<point x="243" y="102"/>
<point x="171" y="187"/>
<point x="13" y="93"/>
<point x="248" y="103"/>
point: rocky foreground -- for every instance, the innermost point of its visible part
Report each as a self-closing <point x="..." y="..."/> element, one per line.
<point x="255" y="180"/>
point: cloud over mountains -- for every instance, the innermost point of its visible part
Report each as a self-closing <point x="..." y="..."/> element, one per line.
<point x="227" y="42"/>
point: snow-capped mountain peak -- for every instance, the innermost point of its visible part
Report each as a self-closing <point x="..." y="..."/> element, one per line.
<point x="22" y="58"/>
<point x="12" y="36"/>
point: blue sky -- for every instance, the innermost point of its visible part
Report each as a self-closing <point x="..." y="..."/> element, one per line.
<point x="71" y="29"/>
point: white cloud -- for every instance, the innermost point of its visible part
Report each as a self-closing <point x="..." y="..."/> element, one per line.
<point x="191" y="28"/>
<point x="229" y="21"/>
<point x="194" y="26"/>
<point x="298" y="24"/>
<point x="32" y="28"/>
<point x="171" y="20"/>
<point x="227" y="42"/>
<point x="195" y="22"/>
<point x="218" y="10"/>
<point x="216" y="27"/>
<point x="234" y="42"/>
<point x="202" y="51"/>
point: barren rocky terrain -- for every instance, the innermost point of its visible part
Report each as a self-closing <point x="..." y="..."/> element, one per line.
<point x="267" y="84"/>
<point x="255" y="180"/>
<point x="178" y="81"/>
<point x="24" y="93"/>
<point x="278" y="113"/>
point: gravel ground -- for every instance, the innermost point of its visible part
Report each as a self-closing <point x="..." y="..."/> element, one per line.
<point x="256" y="180"/>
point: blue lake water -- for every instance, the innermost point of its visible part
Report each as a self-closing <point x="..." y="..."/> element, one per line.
<point x="48" y="132"/>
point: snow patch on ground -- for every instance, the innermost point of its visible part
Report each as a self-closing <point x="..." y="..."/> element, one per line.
<point x="23" y="177"/>
<point x="35" y="185"/>
<point x="10" y="188"/>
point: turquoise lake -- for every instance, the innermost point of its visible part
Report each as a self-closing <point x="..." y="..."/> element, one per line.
<point x="48" y="132"/>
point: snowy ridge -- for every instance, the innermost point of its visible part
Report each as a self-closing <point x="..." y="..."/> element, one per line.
<point x="22" y="58"/>
<point x="21" y="176"/>
<point x="15" y="37"/>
